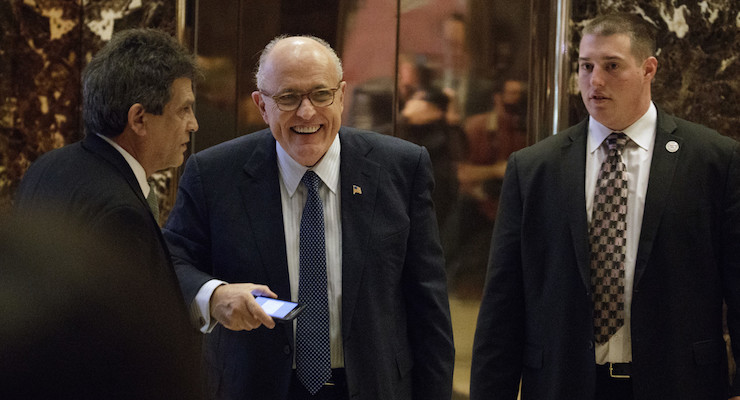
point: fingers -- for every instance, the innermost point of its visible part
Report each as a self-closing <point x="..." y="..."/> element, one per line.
<point x="262" y="290"/>
<point x="259" y="316"/>
<point x="234" y="306"/>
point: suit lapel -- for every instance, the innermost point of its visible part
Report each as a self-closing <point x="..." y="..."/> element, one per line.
<point x="259" y="187"/>
<point x="359" y="186"/>
<point x="662" y="173"/>
<point x="573" y="176"/>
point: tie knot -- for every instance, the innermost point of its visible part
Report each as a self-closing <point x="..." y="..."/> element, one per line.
<point x="616" y="141"/>
<point x="311" y="180"/>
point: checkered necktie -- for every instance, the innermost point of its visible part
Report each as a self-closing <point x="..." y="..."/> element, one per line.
<point x="313" y="351"/>
<point x="608" y="241"/>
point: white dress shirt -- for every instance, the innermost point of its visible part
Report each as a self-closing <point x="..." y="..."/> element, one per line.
<point x="293" y="198"/>
<point x="637" y="157"/>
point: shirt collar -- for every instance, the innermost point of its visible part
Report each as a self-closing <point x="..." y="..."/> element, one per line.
<point x="138" y="170"/>
<point x="641" y="131"/>
<point x="327" y="168"/>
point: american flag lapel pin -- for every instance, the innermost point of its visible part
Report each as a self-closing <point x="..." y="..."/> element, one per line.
<point x="356" y="189"/>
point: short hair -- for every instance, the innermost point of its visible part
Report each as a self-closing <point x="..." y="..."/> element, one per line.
<point x="640" y="32"/>
<point x="136" y="66"/>
<point x="259" y="72"/>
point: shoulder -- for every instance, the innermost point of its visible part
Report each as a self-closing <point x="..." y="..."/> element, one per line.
<point x="551" y="146"/>
<point x="69" y="168"/>
<point x="59" y="158"/>
<point x="376" y="144"/>
<point x="688" y="129"/>
<point x="695" y="136"/>
<point x="76" y="178"/>
<point x="238" y="146"/>
<point x="236" y="152"/>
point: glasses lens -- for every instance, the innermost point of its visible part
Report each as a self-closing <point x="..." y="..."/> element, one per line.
<point x="322" y="97"/>
<point x="288" y="101"/>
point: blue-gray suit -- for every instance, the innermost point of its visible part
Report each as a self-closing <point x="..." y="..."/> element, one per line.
<point x="227" y="224"/>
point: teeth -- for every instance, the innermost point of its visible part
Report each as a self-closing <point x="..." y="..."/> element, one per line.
<point x="306" y="129"/>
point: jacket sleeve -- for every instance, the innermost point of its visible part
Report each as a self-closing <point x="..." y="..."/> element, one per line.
<point x="498" y="345"/>
<point x="187" y="233"/>
<point x="730" y="261"/>
<point x="425" y="288"/>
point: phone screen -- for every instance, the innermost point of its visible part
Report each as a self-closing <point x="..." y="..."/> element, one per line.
<point x="280" y="309"/>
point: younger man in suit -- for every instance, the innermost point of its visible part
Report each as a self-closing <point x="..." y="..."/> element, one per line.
<point x="364" y="253"/>
<point x="616" y="243"/>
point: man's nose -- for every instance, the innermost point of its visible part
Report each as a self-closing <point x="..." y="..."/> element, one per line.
<point x="306" y="109"/>
<point x="597" y="77"/>
<point x="193" y="125"/>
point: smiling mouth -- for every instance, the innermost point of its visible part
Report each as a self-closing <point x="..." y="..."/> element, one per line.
<point x="306" y="129"/>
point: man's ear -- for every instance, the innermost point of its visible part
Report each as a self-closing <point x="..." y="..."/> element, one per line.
<point x="136" y="119"/>
<point x="257" y="99"/>
<point x="650" y="67"/>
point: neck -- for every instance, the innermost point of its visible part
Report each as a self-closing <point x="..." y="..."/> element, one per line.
<point x="129" y="141"/>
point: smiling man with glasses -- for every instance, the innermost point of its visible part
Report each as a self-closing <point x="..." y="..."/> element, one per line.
<point x="338" y="219"/>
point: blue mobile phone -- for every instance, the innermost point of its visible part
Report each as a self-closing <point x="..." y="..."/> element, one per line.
<point x="281" y="310"/>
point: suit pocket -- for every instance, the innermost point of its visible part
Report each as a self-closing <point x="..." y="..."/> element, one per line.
<point x="709" y="352"/>
<point x="533" y="356"/>
<point x="391" y="249"/>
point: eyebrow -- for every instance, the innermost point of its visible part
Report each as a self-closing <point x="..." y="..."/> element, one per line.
<point x="607" y="58"/>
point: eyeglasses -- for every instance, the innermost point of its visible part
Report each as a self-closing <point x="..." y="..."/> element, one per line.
<point x="290" y="101"/>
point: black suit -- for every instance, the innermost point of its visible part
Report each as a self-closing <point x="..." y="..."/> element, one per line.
<point x="396" y="329"/>
<point x="537" y="313"/>
<point x="90" y="181"/>
<point x="91" y="184"/>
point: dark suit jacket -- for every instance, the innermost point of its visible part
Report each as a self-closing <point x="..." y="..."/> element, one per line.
<point x="228" y="224"/>
<point x="90" y="184"/>
<point x="536" y="316"/>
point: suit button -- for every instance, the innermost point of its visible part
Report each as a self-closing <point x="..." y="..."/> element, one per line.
<point x="590" y="344"/>
<point x="286" y="350"/>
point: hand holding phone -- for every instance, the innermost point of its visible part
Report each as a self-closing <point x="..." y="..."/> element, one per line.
<point x="280" y="310"/>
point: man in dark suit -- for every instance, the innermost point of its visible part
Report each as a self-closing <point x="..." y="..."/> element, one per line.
<point x="672" y="250"/>
<point x="137" y="110"/>
<point x="379" y="302"/>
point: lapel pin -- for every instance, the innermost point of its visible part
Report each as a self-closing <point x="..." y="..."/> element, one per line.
<point x="671" y="146"/>
<point x="356" y="189"/>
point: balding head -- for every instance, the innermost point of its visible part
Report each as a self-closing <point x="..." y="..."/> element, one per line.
<point x="295" y="44"/>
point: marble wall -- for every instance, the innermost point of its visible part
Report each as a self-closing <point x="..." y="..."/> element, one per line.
<point x="44" y="46"/>
<point x="698" y="57"/>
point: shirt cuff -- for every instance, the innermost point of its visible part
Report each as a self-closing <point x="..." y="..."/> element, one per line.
<point x="200" y="309"/>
